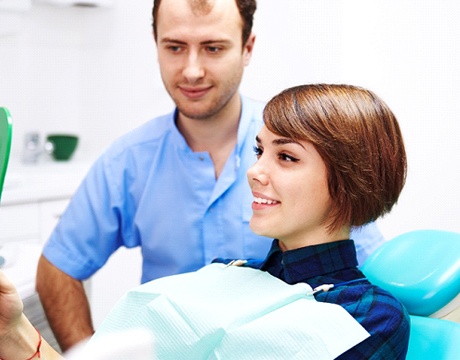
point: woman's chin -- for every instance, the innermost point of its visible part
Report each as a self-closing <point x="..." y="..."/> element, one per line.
<point x="261" y="228"/>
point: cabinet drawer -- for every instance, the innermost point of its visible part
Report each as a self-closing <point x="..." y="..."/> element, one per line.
<point x="19" y="222"/>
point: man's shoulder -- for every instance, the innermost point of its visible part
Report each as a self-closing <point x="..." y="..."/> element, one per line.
<point x="252" y="106"/>
<point x="151" y="130"/>
<point x="147" y="135"/>
<point x="251" y="116"/>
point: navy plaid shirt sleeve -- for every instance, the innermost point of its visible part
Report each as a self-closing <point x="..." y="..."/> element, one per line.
<point x="380" y="314"/>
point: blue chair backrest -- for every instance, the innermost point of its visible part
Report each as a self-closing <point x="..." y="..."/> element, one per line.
<point x="433" y="339"/>
<point x="421" y="268"/>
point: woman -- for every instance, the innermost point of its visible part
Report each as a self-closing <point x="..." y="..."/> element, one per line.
<point x="329" y="157"/>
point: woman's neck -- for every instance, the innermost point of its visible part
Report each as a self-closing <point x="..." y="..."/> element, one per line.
<point x="320" y="236"/>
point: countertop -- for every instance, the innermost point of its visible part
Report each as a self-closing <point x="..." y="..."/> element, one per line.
<point x="50" y="180"/>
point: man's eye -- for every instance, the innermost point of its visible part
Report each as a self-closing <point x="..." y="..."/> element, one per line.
<point x="213" y="49"/>
<point x="174" y="48"/>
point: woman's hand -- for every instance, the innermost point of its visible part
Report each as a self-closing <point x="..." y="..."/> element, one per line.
<point x="18" y="337"/>
<point x="11" y="306"/>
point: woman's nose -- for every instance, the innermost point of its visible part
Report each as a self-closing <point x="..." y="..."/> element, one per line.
<point x="257" y="173"/>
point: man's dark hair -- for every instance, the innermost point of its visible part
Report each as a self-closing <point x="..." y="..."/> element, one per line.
<point x="246" y="9"/>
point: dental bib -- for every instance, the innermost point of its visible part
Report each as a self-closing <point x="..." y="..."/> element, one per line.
<point x="228" y="312"/>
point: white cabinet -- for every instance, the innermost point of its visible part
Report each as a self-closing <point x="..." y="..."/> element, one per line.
<point x="26" y="227"/>
<point x="32" y="221"/>
<point x="35" y="196"/>
<point x="19" y="222"/>
<point x="33" y="200"/>
<point x="32" y="204"/>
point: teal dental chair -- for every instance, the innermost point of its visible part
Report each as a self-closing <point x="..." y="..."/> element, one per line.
<point x="5" y="143"/>
<point x="422" y="269"/>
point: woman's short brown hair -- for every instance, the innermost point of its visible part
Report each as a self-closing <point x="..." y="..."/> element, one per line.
<point x="358" y="138"/>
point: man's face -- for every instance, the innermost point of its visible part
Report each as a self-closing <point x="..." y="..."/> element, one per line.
<point x="201" y="56"/>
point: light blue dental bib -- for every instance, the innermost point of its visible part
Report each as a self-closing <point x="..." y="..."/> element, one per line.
<point x="228" y="312"/>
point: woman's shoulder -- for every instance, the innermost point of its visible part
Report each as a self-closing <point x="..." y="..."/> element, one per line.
<point x="368" y="303"/>
<point x="380" y="313"/>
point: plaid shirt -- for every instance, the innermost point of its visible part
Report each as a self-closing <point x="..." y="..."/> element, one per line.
<point x="384" y="317"/>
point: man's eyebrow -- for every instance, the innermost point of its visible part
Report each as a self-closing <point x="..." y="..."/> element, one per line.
<point x="167" y="40"/>
<point x="215" y="41"/>
<point x="170" y="40"/>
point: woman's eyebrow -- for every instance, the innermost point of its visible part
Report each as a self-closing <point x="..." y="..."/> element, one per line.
<point x="280" y="141"/>
<point x="284" y="141"/>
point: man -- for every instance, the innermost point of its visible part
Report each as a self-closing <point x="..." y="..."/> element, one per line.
<point x="176" y="186"/>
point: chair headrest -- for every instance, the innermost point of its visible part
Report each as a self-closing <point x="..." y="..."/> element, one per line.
<point x="421" y="268"/>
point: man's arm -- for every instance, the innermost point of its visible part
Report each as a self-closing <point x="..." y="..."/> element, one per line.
<point x="65" y="303"/>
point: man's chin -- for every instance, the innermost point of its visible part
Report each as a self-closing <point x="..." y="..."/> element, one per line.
<point x="200" y="113"/>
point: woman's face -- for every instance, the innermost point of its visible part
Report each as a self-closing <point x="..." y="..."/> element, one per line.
<point x="291" y="196"/>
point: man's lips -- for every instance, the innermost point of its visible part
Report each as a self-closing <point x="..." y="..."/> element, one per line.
<point x="194" y="93"/>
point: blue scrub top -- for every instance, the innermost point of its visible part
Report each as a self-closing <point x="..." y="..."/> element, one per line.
<point x="150" y="189"/>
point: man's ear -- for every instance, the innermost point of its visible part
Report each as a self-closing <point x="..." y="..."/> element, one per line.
<point x="248" y="47"/>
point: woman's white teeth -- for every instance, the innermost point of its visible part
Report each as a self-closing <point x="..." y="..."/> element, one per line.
<point x="264" y="201"/>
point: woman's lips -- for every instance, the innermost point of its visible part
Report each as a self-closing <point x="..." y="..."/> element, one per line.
<point x="263" y="202"/>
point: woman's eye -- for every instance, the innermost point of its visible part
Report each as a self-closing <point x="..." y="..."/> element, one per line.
<point x="288" y="158"/>
<point x="257" y="151"/>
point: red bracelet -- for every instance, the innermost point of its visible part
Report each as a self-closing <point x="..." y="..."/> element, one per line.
<point x="37" y="353"/>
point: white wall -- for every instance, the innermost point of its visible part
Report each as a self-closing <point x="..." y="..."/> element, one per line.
<point x="93" y="71"/>
<point x="409" y="53"/>
<point x="84" y="70"/>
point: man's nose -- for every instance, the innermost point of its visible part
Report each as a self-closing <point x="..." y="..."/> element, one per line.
<point x="193" y="69"/>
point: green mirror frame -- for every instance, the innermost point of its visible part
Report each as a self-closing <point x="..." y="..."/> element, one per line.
<point x="6" y="127"/>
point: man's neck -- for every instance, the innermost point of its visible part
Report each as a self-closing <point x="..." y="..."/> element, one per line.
<point x="216" y="135"/>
